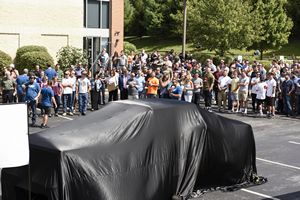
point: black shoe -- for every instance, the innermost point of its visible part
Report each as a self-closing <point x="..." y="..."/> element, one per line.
<point x="44" y="126"/>
<point x="49" y="115"/>
<point x="83" y="114"/>
<point x="32" y="125"/>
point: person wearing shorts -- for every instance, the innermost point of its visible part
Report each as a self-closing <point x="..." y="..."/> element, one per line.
<point x="271" y="89"/>
<point x="261" y="95"/>
<point x="243" y="92"/>
<point x="234" y="91"/>
<point x="47" y="99"/>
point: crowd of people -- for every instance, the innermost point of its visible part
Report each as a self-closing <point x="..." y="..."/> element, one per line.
<point x="234" y="87"/>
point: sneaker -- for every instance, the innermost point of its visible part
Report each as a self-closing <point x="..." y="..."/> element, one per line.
<point x="71" y="114"/>
<point x="44" y="126"/>
<point x="32" y="125"/>
<point x="64" y="114"/>
<point x="56" y="114"/>
<point x="209" y="110"/>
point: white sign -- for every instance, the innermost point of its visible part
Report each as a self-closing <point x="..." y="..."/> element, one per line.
<point x="14" y="144"/>
<point x="240" y="58"/>
<point x="281" y="58"/>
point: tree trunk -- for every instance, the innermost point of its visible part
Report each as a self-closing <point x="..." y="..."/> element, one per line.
<point x="261" y="54"/>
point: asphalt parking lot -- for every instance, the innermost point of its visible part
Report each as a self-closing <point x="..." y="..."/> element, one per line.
<point x="278" y="157"/>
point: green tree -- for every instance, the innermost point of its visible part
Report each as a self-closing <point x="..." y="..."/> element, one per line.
<point x="293" y="11"/>
<point x="138" y="24"/>
<point x="153" y="17"/>
<point x="69" y="55"/>
<point x="5" y="60"/>
<point x="128" y="16"/>
<point x="220" y="25"/>
<point x="272" y="27"/>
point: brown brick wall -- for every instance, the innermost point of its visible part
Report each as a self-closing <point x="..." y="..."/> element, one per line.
<point x="117" y="25"/>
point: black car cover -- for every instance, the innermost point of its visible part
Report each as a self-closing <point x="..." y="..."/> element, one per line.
<point x="135" y="150"/>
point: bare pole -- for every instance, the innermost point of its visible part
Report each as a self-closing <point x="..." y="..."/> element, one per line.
<point x="184" y="28"/>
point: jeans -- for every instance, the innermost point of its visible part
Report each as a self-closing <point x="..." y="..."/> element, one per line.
<point x="83" y="100"/>
<point x="287" y="104"/>
<point x="298" y="104"/>
<point x="7" y="96"/>
<point x="32" y="105"/>
<point x="73" y="99"/>
<point x="58" y="101"/>
<point x="21" y="98"/>
<point x="207" y="98"/>
<point x="67" y="100"/>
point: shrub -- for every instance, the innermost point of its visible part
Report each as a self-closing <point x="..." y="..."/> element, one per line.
<point x="69" y="55"/>
<point x="201" y="57"/>
<point x="129" y="47"/>
<point x="5" y="60"/>
<point x="30" y="59"/>
<point x="26" y="49"/>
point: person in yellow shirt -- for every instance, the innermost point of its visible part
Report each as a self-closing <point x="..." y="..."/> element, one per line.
<point x="152" y="84"/>
<point x="234" y="91"/>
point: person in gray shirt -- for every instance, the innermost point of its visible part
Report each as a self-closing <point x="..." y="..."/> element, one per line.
<point x="198" y="84"/>
<point x="132" y="84"/>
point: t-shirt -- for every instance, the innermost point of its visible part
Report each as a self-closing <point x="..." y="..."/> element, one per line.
<point x="177" y="90"/>
<point x="234" y="85"/>
<point x="198" y="82"/>
<point x="8" y="84"/>
<point x="208" y="81"/>
<point x="153" y="89"/>
<point x="47" y="93"/>
<point x="132" y="86"/>
<point x="32" y="91"/>
<point x="244" y="80"/>
<point x="21" y="80"/>
<point x="140" y="83"/>
<point x="224" y="81"/>
<point x="254" y="87"/>
<point x="50" y="73"/>
<point x="261" y="90"/>
<point x="67" y="81"/>
<point x="83" y="85"/>
<point x="270" y="84"/>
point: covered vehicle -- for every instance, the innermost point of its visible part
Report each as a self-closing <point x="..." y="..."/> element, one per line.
<point x="135" y="150"/>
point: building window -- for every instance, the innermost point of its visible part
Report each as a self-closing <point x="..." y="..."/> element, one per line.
<point x="105" y="44"/>
<point x="105" y="14"/>
<point x="96" y="14"/>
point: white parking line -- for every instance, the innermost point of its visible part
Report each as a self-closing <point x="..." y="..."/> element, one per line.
<point x="278" y="163"/>
<point x="259" y="194"/>
<point x="292" y="142"/>
<point x="68" y="118"/>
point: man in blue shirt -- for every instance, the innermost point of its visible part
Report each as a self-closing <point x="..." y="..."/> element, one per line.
<point x="32" y="90"/>
<point x="176" y="90"/>
<point x="47" y="99"/>
<point x="21" y="80"/>
<point x="50" y="72"/>
<point x="287" y="89"/>
<point x="140" y="83"/>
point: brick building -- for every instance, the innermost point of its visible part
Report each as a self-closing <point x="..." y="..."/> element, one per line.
<point x="88" y="24"/>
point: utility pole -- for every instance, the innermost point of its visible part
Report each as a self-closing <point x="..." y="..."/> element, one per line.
<point x="184" y="28"/>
